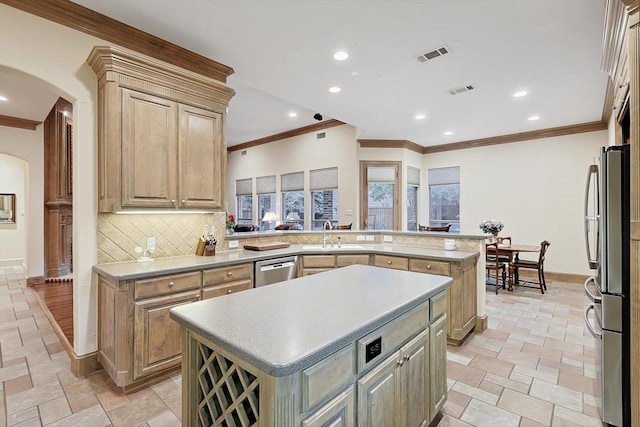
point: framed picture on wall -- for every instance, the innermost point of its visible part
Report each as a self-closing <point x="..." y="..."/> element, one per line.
<point x="7" y="208"/>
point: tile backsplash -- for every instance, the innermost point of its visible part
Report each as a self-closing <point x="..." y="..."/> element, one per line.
<point x="176" y="234"/>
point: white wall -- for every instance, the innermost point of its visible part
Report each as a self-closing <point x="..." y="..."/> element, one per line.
<point x="301" y="153"/>
<point x="13" y="237"/>
<point x="536" y="188"/>
<point x="54" y="56"/>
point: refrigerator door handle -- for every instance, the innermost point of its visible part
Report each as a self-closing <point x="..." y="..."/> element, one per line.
<point x="588" y="219"/>
<point x="592" y="297"/>
<point x="587" y="309"/>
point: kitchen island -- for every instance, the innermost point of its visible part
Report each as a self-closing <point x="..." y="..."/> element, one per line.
<point x="299" y="352"/>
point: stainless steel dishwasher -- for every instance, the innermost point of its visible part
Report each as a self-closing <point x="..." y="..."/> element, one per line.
<point x="275" y="270"/>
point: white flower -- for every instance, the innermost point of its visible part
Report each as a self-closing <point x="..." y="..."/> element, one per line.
<point x="491" y="226"/>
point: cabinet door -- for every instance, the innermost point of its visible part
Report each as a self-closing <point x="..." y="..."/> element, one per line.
<point x="469" y="300"/>
<point x="339" y="412"/>
<point x="414" y="390"/>
<point x="438" y="364"/>
<point x="149" y="144"/>
<point x="157" y="339"/>
<point x="201" y="162"/>
<point x="377" y="395"/>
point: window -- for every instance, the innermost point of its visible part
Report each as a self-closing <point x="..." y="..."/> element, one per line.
<point x="244" y="201"/>
<point x="292" y="187"/>
<point x="413" y="185"/>
<point x="324" y="194"/>
<point x="266" y="189"/>
<point x="444" y="197"/>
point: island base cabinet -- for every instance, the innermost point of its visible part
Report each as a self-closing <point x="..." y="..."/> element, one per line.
<point x="339" y="412"/>
<point x="438" y="365"/>
<point x="396" y="392"/>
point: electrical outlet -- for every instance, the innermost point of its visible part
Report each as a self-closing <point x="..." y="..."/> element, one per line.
<point x="151" y="243"/>
<point x="360" y="237"/>
<point x="388" y="239"/>
<point x="370" y="238"/>
<point x="233" y="244"/>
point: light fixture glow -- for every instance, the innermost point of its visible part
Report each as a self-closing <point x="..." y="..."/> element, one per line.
<point x="420" y="116"/>
<point x="293" y="114"/>
<point x="334" y="89"/>
<point x="3" y="98"/>
<point x="520" y="93"/>
<point x="447" y="133"/>
<point x="532" y="118"/>
<point x="341" y="55"/>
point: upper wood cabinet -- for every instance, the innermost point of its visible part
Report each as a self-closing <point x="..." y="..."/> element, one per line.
<point x="161" y="139"/>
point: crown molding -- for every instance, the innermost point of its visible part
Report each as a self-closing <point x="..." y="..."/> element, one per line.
<point x="16" y="122"/>
<point x="288" y="134"/>
<point x="518" y="137"/>
<point x="391" y="143"/>
<point x="72" y="15"/>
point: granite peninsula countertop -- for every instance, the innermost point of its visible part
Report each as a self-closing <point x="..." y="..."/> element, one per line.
<point x="182" y="264"/>
<point x="288" y="326"/>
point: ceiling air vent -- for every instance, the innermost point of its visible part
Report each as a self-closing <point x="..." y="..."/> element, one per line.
<point x="461" y="89"/>
<point x="432" y="54"/>
<point x="320" y="135"/>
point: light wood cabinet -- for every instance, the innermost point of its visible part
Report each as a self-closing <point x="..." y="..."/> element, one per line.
<point x="226" y="280"/>
<point x="339" y="412"/>
<point x="160" y="138"/>
<point x="312" y="264"/>
<point x="395" y="262"/>
<point x="438" y="364"/>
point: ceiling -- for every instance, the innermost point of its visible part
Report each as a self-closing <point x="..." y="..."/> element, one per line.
<point x="282" y="50"/>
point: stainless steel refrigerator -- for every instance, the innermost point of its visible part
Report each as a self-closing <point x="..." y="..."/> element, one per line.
<point x="607" y="237"/>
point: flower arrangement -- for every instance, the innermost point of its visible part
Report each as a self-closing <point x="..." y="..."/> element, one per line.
<point x="491" y="226"/>
<point x="231" y="221"/>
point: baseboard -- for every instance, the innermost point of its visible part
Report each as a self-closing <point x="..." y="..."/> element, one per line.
<point x="35" y="280"/>
<point x="85" y="364"/>
<point x="482" y="323"/>
<point x="551" y="276"/>
<point x="17" y="262"/>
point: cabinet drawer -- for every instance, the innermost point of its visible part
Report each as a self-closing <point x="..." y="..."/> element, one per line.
<point x="375" y="346"/>
<point x="227" y="288"/>
<point x="344" y="260"/>
<point x="217" y="276"/>
<point x="429" y="266"/>
<point x="326" y="377"/>
<point x="399" y="263"/>
<point x="438" y="305"/>
<point x="166" y="285"/>
<point x="318" y="261"/>
<point x="310" y="271"/>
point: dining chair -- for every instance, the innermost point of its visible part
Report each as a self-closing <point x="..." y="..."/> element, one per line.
<point x="493" y="263"/>
<point x="534" y="265"/>
<point x="504" y="240"/>
<point x="434" y="228"/>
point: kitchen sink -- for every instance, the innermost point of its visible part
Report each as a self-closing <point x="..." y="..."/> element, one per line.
<point x="334" y="248"/>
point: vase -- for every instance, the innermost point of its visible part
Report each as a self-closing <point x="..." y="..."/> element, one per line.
<point x="230" y="231"/>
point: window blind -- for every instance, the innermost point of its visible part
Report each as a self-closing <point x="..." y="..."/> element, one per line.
<point x="323" y="179"/>
<point x="266" y="184"/>
<point x="413" y="176"/>
<point x="381" y="174"/>
<point x="292" y="181"/>
<point x="244" y="187"/>
<point x="444" y="176"/>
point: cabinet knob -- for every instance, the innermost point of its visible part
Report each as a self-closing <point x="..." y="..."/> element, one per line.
<point x="171" y="284"/>
<point x="173" y="200"/>
<point x="183" y="200"/>
<point x="389" y="262"/>
<point x="428" y="267"/>
<point x="229" y="274"/>
<point x="407" y="357"/>
<point x="229" y="291"/>
<point x="401" y="362"/>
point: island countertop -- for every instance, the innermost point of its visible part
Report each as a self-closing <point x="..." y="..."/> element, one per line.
<point x="288" y="326"/>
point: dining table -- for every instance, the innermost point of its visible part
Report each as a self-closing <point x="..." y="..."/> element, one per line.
<point x="512" y="253"/>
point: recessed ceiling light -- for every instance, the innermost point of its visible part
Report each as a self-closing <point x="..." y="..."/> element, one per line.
<point x="448" y="133"/>
<point x="334" y="89"/>
<point x="293" y="114"/>
<point x="3" y="98"/>
<point x="532" y="118"/>
<point x="340" y="55"/>
<point x="520" y="93"/>
<point x="420" y="116"/>
<point x="354" y="73"/>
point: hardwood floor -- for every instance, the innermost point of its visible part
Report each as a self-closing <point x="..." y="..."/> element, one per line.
<point x="57" y="299"/>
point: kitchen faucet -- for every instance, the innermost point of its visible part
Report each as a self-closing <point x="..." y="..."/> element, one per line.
<point x="324" y="234"/>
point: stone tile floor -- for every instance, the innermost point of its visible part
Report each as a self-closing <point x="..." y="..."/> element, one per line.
<point x="533" y="366"/>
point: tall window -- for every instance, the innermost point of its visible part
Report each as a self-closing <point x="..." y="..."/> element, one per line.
<point x="413" y="185"/>
<point x="292" y="187"/>
<point x="244" y="201"/>
<point x="266" y="189"/>
<point x="324" y="193"/>
<point x="444" y="197"/>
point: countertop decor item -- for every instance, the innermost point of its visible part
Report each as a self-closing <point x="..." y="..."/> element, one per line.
<point x="491" y="226"/>
<point x="231" y="223"/>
